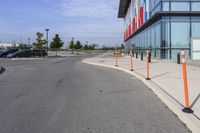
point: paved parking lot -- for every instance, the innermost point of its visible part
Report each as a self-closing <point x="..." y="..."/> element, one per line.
<point x="64" y="95"/>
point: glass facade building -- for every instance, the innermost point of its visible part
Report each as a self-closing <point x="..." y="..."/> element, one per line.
<point x="162" y="26"/>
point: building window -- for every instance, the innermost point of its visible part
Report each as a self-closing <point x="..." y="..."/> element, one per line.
<point x="195" y="29"/>
<point x="165" y="39"/>
<point x="195" y="26"/>
<point x="195" y="6"/>
<point x="180" y="34"/>
<point x="180" y="6"/>
<point x="165" y="6"/>
<point x="157" y="35"/>
<point x="179" y="39"/>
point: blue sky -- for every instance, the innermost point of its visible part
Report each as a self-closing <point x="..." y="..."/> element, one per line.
<point x="86" y="20"/>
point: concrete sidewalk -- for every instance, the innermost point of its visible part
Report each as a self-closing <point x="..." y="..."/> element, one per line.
<point x="166" y="82"/>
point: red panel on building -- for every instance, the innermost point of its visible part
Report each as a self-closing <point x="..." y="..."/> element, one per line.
<point x="141" y="16"/>
<point x="133" y="25"/>
<point x="129" y="29"/>
<point x="136" y="24"/>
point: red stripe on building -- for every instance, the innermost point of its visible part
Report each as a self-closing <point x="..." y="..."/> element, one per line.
<point x="141" y="16"/>
<point x="126" y="33"/>
<point x="136" y="24"/>
<point x="133" y="25"/>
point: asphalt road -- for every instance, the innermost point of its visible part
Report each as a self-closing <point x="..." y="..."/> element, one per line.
<point x="64" y="95"/>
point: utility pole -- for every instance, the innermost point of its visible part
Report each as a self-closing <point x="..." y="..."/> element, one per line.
<point x="47" y="42"/>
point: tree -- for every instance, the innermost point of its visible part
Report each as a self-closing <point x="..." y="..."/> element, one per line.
<point x="71" y="45"/>
<point x="89" y="47"/>
<point x="56" y="43"/>
<point x="39" y="43"/>
<point x="78" y="45"/>
<point x="122" y="46"/>
<point x="22" y="46"/>
<point x="85" y="47"/>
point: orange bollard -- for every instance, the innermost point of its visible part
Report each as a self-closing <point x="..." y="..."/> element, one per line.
<point x="187" y="108"/>
<point x="131" y="59"/>
<point x="116" y="60"/>
<point x="147" y="62"/>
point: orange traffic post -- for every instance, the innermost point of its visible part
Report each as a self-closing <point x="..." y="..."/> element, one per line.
<point x="131" y="59"/>
<point x="147" y="62"/>
<point x="187" y="107"/>
<point x="116" y="60"/>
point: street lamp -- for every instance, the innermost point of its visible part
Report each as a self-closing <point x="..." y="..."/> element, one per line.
<point x="29" y="41"/>
<point x="72" y="43"/>
<point x="47" y="30"/>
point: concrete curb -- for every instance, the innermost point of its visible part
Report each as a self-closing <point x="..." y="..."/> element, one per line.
<point x="192" y="122"/>
<point x="28" y="58"/>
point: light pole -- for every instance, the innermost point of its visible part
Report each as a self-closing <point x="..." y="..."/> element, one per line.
<point x="72" y="43"/>
<point x="29" y="41"/>
<point x="47" y="30"/>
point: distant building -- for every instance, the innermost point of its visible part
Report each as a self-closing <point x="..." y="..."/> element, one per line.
<point x="162" y="26"/>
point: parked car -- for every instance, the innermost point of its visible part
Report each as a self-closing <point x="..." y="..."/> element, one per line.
<point x="6" y="52"/>
<point x="18" y="54"/>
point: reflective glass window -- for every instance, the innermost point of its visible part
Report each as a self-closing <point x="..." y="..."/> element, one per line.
<point x="165" y="34"/>
<point x="195" y="6"/>
<point x="157" y="35"/>
<point x="180" y="32"/>
<point x="157" y="1"/>
<point x="149" y="38"/>
<point x="152" y="37"/>
<point x="158" y="7"/>
<point x="195" y="29"/>
<point x="180" y="18"/>
<point x="165" y="6"/>
<point x="152" y="4"/>
<point x="180" y="6"/>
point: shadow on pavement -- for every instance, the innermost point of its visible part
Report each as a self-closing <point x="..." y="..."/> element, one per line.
<point x="194" y="102"/>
